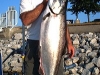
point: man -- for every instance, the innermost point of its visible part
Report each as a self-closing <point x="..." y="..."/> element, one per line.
<point x="31" y="13"/>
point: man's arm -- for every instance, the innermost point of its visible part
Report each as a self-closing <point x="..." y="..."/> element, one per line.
<point x="69" y="41"/>
<point x="30" y="16"/>
<point x="70" y="46"/>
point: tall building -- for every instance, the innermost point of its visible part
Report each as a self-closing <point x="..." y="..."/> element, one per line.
<point x="9" y="18"/>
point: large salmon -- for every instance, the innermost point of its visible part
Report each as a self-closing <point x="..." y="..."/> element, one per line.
<point x="52" y="37"/>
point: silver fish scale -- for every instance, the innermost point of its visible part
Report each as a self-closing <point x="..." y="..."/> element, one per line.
<point x="52" y="42"/>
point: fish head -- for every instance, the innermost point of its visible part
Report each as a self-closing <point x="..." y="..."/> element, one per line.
<point x="57" y="6"/>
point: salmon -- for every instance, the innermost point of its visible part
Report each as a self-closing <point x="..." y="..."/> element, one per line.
<point x="52" y="36"/>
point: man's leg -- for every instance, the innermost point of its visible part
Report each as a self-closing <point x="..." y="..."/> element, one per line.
<point x="32" y="58"/>
<point x="36" y="59"/>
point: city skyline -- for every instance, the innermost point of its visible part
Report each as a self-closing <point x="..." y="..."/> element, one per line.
<point x="4" y="4"/>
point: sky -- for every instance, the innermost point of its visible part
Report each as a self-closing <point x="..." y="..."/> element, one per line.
<point x="4" y="4"/>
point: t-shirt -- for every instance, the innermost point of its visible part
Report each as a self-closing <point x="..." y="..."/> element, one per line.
<point x="33" y="30"/>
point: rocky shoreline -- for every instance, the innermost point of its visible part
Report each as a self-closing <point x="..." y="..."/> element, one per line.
<point x="87" y="55"/>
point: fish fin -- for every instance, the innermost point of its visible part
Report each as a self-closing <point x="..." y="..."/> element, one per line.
<point x="41" y="69"/>
<point x="47" y="15"/>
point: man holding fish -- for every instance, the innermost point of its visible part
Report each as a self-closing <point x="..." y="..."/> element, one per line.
<point x="35" y="14"/>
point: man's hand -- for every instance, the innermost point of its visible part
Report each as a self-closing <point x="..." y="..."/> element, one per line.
<point x="71" y="50"/>
<point x="45" y="2"/>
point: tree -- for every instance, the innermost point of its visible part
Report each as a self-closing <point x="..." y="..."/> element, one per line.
<point x="75" y="7"/>
<point x="91" y="6"/>
<point x="85" y="6"/>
